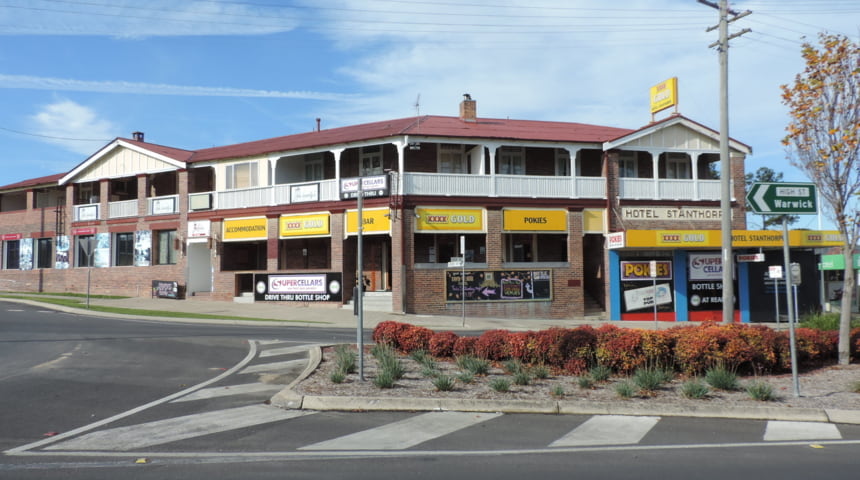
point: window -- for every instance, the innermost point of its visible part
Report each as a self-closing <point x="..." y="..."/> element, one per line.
<point x="628" y="166"/>
<point x="440" y="248"/>
<point x="84" y="250"/>
<point x="371" y="160"/>
<point x="87" y="193"/>
<point x="12" y="254"/>
<point x="452" y="159"/>
<point x="677" y="165"/>
<point x="165" y="247"/>
<point x="512" y="161"/>
<point x="242" y="175"/>
<point x="44" y="251"/>
<point x="562" y="163"/>
<point x="314" y="167"/>
<point x="534" y="247"/>
<point x="124" y="255"/>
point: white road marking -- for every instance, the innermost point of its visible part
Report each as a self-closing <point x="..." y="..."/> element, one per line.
<point x="608" y="430"/>
<point x="178" y="428"/>
<point x="274" y="367"/>
<point x="781" y="431"/>
<point x="405" y="433"/>
<point x="230" y="390"/>
<point x="252" y="352"/>
<point x="285" y="350"/>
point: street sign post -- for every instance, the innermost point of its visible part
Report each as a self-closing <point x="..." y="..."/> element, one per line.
<point x="783" y="198"/>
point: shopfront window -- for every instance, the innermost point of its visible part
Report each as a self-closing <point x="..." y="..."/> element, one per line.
<point x="124" y="256"/>
<point x="535" y="247"/>
<point x="441" y="248"/>
<point x="12" y="254"/>
<point x="44" y="253"/>
<point x="85" y="250"/>
<point x="165" y="247"/>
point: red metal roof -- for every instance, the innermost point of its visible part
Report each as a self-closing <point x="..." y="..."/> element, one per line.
<point x="169" y="152"/>
<point x="429" y="126"/>
<point x="35" y="182"/>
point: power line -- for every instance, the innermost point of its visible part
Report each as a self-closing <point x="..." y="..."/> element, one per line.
<point x="54" y="137"/>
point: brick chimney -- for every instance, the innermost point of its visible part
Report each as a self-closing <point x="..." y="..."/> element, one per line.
<point x="468" y="109"/>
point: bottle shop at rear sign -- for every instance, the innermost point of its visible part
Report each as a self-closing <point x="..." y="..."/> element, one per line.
<point x="705" y="285"/>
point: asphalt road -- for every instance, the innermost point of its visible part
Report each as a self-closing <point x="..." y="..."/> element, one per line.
<point x="64" y="372"/>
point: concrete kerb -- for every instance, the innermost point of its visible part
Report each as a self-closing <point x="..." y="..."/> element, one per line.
<point x="288" y="398"/>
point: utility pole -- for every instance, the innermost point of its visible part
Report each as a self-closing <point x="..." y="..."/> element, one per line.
<point x="725" y="160"/>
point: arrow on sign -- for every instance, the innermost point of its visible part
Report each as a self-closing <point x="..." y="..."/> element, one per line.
<point x="758" y="199"/>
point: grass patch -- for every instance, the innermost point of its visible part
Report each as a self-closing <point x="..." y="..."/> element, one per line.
<point x="625" y="389"/>
<point x="444" y="383"/>
<point x="557" y="391"/>
<point x="722" y="378"/>
<point x="475" y="365"/>
<point x="651" y="379"/>
<point x="600" y="373"/>
<point x="344" y="358"/>
<point x="522" y="378"/>
<point x="761" y="391"/>
<point x="501" y="385"/>
<point x="585" y="382"/>
<point x="695" y="389"/>
<point x="337" y="376"/>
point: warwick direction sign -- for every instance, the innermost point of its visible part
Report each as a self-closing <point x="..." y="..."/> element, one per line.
<point x="783" y="198"/>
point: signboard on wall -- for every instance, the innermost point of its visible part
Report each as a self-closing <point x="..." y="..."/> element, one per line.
<point x="371" y="187"/>
<point x="443" y="219"/>
<point x="304" y="287"/>
<point x="638" y="283"/>
<point x="236" y="229"/>
<point x="310" y="225"/>
<point x="522" y="220"/>
<point x="498" y="285"/>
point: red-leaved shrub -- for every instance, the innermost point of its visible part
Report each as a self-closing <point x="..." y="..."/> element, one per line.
<point x="493" y="345"/>
<point x="414" y="338"/>
<point x="464" y="346"/>
<point x="442" y="344"/>
<point x="387" y="332"/>
<point x="619" y="348"/>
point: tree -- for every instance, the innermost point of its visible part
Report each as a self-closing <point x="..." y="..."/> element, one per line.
<point x="823" y="140"/>
<point x="767" y="175"/>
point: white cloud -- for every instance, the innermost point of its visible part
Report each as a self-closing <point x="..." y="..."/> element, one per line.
<point x="73" y="126"/>
<point x="68" y="84"/>
<point x="129" y="19"/>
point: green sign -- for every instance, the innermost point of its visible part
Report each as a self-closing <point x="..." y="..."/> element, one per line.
<point x="783" y="198"/>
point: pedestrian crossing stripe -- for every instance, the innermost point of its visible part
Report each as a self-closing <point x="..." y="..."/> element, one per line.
<point x="608" y="430"/>
<point x="405" y="433"/>
<point x="178" y="428"/>
<point x="599" y="430"/>
<point x="275" y="367"/>
<point x="230" y="390"/>
<point x="780" y="431"/>
<point x="272" y="352"/>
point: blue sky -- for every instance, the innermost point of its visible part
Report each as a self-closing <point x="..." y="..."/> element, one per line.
<point x="74" y="74"/>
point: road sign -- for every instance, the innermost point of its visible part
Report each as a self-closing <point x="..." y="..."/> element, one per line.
<point x="750" y="257"/>
<point x="783" y="198"/>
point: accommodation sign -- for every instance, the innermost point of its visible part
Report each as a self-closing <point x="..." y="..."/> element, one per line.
<point x="671" y="213"/>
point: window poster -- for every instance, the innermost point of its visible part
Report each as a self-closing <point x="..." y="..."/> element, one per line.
<point x="101" y="257"/>
<point x="142" y="248"/>
<point x="26" y="254"/>
<point x="498" y="285"/>
<point x="62" y="259"/>
<point x="642" y="289"/>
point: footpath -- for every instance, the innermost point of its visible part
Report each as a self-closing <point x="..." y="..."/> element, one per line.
<point x="317" y="316"/>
